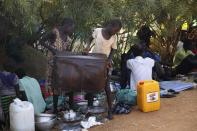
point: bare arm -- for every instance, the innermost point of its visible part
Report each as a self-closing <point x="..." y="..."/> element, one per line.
<point x="89" y="43"/>
<point x="111" y="54"/>
<point x="110" y="57"/>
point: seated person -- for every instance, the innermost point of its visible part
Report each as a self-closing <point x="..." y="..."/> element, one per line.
<point x="192" y="35"/>
<point x="183" y="36"/>
<point x="32" y="91"/>
<point x="144" y="34"/>
<point x="184" y="60"/>
<point x="195" y="49"/>
<point x="158" y="71"/>
<point x="179" y="45"/>
<point x="8" y="90"/>
<point x="141" y="68"/>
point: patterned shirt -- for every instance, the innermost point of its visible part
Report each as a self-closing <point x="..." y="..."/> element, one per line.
<point x="59" y="45"/>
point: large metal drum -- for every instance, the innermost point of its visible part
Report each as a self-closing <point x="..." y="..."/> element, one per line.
<point x="76" y="72"/>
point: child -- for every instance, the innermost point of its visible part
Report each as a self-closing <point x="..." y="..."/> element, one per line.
<point x="141" y="68"/>
<point x="105" y="43"/>
<point x="105" y="39"/>
<point x="59" y="40"/>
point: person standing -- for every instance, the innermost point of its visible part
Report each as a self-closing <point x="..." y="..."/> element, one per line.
<point x="58" y="40"/>
<point x="105" y="39"/>
<point x="105" y="42"/>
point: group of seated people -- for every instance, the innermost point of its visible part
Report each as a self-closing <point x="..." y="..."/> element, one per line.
<point x="185" y="59"/>
<point x="140" y="63"/>
<point x="141" y="68"/>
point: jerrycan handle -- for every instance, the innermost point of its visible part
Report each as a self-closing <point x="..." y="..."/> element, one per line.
<point x="18" y="102"/>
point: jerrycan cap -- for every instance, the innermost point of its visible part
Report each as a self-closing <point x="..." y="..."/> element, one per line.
<point x="141" y="82"/>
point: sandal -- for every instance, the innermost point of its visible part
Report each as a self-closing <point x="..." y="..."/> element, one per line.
<point x="173" y="91"/>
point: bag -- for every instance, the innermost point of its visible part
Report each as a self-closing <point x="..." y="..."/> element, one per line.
<point x="126" y="96"/>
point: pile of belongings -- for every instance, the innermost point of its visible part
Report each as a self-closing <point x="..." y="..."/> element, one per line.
<point x="114" y="86"/>
<point x="177" y="85"/>
<point x="122" y="108"/>
<point x="169" y="89"/>
<point x="90" y="122"/>
<point x="126" y="98"/>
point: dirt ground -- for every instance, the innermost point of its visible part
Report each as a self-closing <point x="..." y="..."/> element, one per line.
<point x="176" y="114"/>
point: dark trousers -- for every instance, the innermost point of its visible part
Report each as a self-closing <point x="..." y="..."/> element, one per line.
<point x="125" y="72"/>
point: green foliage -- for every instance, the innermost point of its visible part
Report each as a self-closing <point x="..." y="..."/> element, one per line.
<point x="26" y="19"/>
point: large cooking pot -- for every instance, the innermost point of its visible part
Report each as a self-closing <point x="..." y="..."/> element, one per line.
<point x="76" y="72"/>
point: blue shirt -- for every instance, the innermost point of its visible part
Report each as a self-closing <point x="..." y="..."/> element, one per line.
<point x="148" y="54"/>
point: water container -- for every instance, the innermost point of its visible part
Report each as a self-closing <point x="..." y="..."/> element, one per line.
<point x="21" y="116"/>
<point x="148" y="96"/>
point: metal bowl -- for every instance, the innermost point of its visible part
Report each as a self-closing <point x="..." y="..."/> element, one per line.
<point x="76" y="119"/>
<point x="44" y="122"/>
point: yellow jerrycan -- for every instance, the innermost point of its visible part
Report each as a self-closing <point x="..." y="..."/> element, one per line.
<point x="148" y="95"/>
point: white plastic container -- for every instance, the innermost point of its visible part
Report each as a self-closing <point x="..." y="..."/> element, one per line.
<point x="21" y="116"/>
